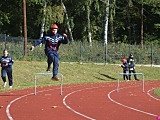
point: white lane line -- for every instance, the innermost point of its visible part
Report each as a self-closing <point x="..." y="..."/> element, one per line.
<point x="148" y="92"/>
<point x="9" y="105"/>
<point x="76" y="112"/>
<point x="109" y="96"/>
<point x="64" y="102"/>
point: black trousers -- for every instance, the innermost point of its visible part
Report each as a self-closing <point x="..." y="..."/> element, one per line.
<point x="125" y="77"/>
<point x="7" y="71"/>
<point x="133" y="71"/>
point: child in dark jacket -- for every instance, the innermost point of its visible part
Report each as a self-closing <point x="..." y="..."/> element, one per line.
<point x="131" y="64"/>
<point x="125" y="67"/>
<point x="6" y="63"/>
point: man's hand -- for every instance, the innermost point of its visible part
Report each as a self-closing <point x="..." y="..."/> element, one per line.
<point x="122" y="66"/>
<point x="32" y="48"/>
<point x="64" y="35"/>
<point x="6" y="64"/>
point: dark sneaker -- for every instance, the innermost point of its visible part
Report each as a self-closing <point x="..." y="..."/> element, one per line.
<point x="55" y="78"/>
<point x="137" y="79"/>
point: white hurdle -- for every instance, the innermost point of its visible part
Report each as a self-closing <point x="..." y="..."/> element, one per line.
<point x="118" y="86"/>
<point x="47" y="74"/>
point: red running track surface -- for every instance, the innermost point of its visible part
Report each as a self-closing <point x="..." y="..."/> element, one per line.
<point x="98" y="101"/>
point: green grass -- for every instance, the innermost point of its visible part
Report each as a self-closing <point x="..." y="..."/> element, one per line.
<point x="74" y="73"/>
<point x="157" y="92"/>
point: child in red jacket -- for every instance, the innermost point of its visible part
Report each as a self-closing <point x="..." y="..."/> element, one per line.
<point x="125" y="69"/>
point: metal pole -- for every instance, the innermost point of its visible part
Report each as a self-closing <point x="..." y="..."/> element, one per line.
<point x="143" y="83"/>
<point x="118" y="84"/>
<point x="35" y="91"/>
<point x="61" y="83"/>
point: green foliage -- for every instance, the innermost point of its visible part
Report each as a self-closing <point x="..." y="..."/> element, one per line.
<point x="54" y="14"/>
<point x="124" y="18"/>
<point x="4" y="18"/>
<point x="157" y="92"/>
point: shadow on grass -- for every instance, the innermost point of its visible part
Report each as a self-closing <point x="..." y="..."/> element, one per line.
<point x="107" y="76"/>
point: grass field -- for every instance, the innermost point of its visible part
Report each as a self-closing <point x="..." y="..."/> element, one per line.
<point x="74" y="73"/>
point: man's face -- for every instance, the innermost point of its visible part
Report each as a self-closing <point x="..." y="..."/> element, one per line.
<point x="54" y="31"/>
<point x="131" y="56"/>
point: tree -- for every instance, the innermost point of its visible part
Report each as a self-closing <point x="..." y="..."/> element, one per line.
<point x="11" y="18"/>
<point x="68" y="24"/>
<point x="106" y="23"/>
<point x="155" y="10"/>
<point x="88" y="4"/>
<point x="111" y="19"/>
<point x="44" y="19"/>
<point x="85" y="19"/>
<point x="106" y="29"/>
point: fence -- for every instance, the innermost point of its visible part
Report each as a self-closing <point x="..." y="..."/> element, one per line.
<point x="83" y="52"/>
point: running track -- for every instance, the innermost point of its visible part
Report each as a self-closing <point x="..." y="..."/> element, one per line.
<point x="99" y="101"/>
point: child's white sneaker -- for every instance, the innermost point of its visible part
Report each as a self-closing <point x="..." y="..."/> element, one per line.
<point x="5" y="83"/>
<point x="10" y="87"/>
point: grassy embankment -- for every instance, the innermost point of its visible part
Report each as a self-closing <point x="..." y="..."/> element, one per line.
<point x="74" y="73"/>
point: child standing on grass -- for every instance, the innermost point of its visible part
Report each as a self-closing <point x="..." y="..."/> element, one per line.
<point x="6" y="63"/>
<point x="125" y="67"/>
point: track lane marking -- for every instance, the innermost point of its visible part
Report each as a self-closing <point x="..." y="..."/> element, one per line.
<point x="109" y="96"/>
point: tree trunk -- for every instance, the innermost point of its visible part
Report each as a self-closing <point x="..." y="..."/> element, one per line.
<point x="111" y="25"/>
<point x="43" y="22"/>
<point x="68" y="25"/>
<point x="106" y="24"/>
<point x="112" y="14"/>
<point x="106" y="29"/>
<point x="129" y="22"/>
<point x="88" y="24"/>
